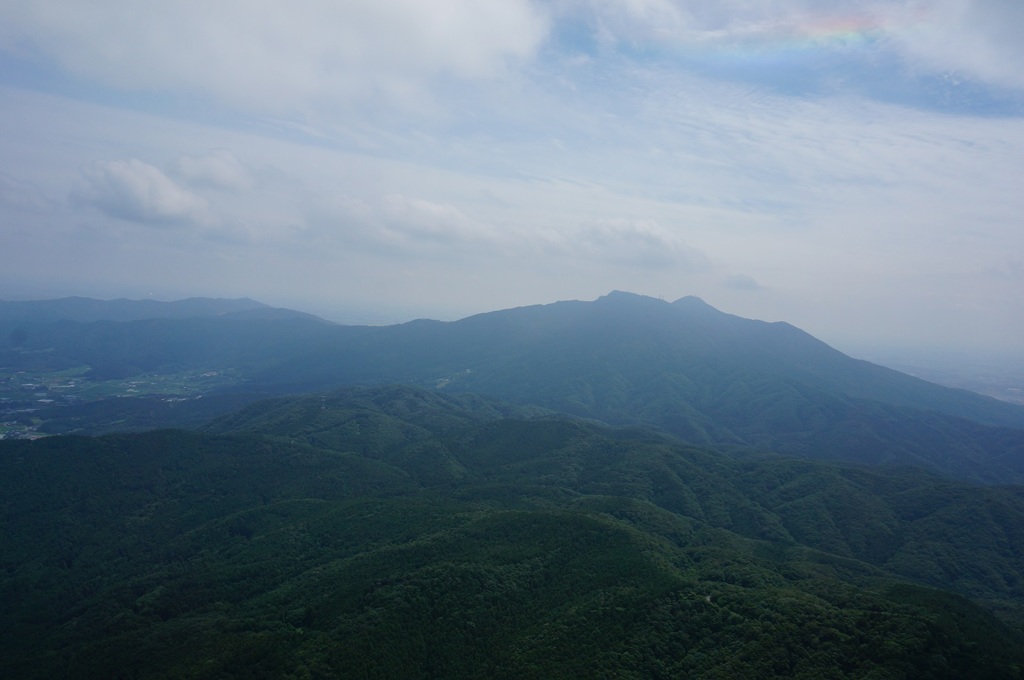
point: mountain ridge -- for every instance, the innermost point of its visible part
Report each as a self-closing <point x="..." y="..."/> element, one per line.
<point x="86" y="310"/>
<point x="706" y="376"/>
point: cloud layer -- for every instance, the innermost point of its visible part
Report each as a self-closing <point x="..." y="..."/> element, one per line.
<point x="277" y="56"/>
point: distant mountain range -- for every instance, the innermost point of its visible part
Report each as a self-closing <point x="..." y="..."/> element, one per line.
<point x="87" y="310"/>
<point x="707" y="377"/>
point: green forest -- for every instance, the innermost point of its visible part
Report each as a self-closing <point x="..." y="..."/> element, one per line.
<point x="400" y="533"/>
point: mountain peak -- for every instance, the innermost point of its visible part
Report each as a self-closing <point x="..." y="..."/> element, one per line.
<point x="695" y="304"/>
<point x="625" y="297"/>
<point x="691" y="300"/>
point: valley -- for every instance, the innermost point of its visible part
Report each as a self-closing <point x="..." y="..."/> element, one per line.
<point x="32" y="403"/>
<point x="996" y="375"/>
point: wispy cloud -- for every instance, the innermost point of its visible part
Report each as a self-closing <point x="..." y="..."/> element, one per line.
<point x="956" y="55"/>
<point x="968" y="38"/>
<point x="395" y="223"/>
<point x="138" y="192"/>
<point x="637" y="243"/>
<point x="277" y="56"/>
<point x="218" y="169"/>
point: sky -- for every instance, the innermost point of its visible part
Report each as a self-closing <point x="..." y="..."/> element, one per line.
<point x="855" y="168"/>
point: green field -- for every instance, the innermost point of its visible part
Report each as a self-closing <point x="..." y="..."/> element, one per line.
<point x="23" y="386"/>
<point x="31" y="400"/>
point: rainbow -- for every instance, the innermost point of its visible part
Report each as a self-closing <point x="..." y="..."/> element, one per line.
<point x="795" y="38"/>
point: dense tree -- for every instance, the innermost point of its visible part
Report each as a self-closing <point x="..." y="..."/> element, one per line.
<point x="397" y="532"/>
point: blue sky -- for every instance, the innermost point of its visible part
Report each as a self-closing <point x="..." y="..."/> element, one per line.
<point x="851" y="167"/>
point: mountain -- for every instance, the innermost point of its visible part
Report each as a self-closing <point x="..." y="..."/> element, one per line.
<point x="85" y="310"/>
<point x="249" y="340"/>
<point x="707" y="377"/>
<point x="882" y="516"/>
<point x="544" y="351"/>
<point x="402" y="532"/>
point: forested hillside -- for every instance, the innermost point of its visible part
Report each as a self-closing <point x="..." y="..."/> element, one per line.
<point x="397" y="532"/>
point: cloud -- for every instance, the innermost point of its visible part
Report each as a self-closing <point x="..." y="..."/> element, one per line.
<point x="404" y="227"/>
<point x="678" y="22"/>
<point x="217" y="170"/>
<point x="398" y="224"/>
<point x="979" y="39"/>
<point x="643" y="243"/>
<point x="273" y="55"/>
<point x="421" y="221"/>
<point x="138" y="192"/>
<point x="873" y="45"/>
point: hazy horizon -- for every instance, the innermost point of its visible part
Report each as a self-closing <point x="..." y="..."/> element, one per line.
<point x="955" y="366"/>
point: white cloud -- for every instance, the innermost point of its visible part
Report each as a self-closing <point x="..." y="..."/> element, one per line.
<point x="218" y="170"/>
<point x="973" y="38"/>
<point x="630" y="242"/>
<point x="138" y="192"/>
<point x="420" y="220"/>
<point x="678" y="22"/>
<point x="273" y="55"/>
<point x="397" y="224"/>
